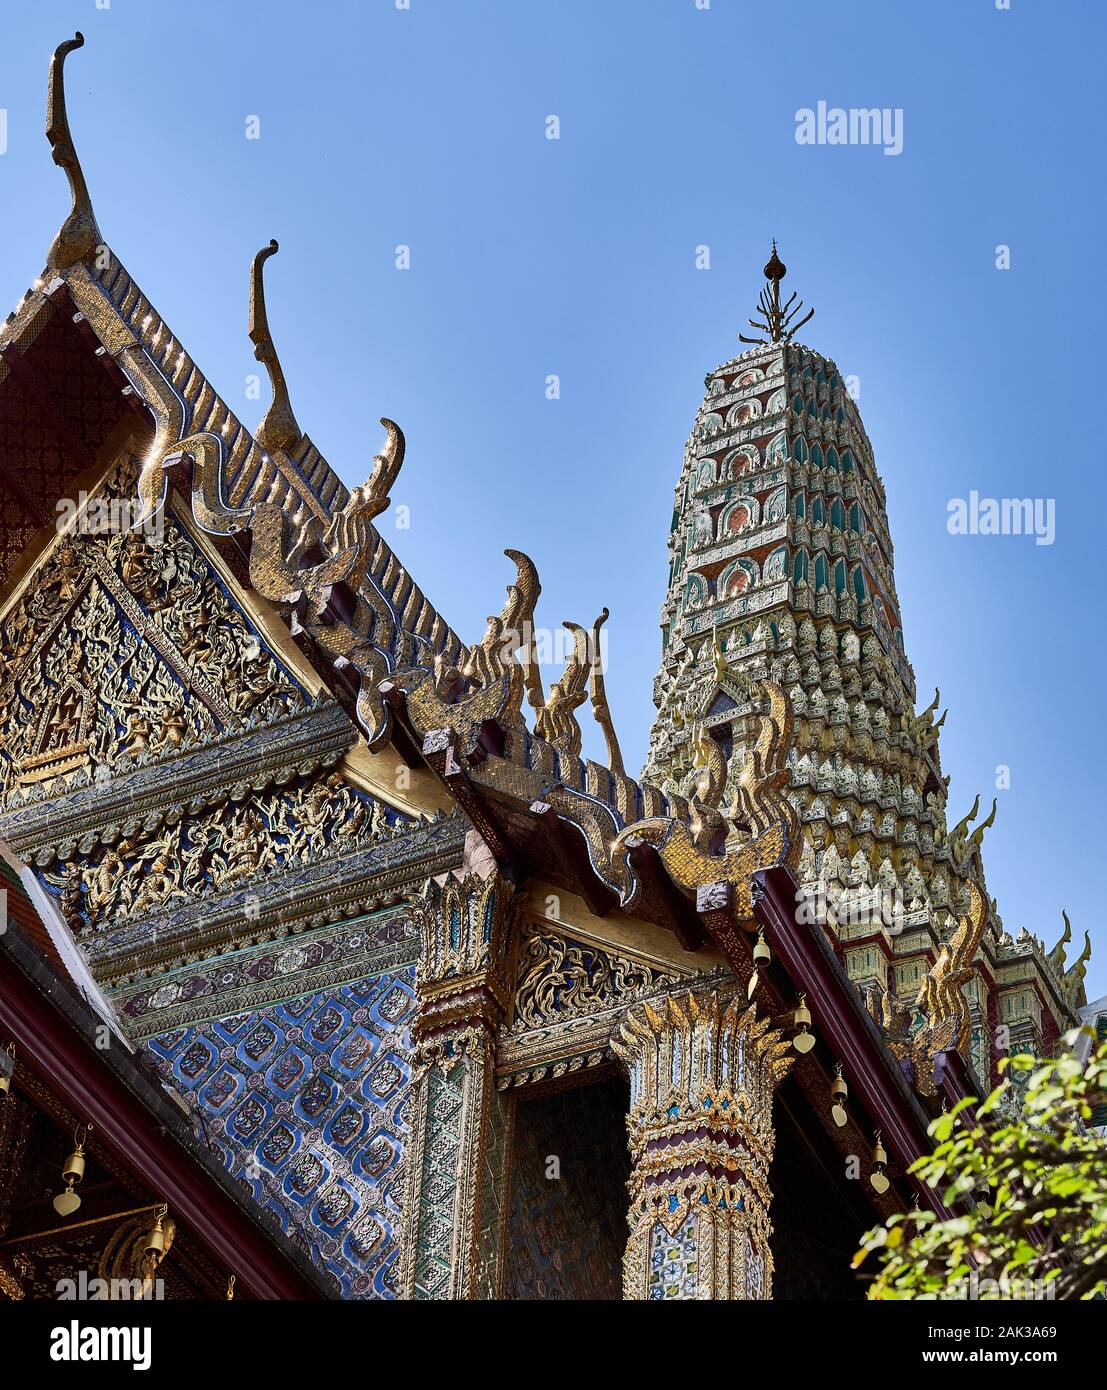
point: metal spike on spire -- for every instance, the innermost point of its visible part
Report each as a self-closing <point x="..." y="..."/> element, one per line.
<point x="278" y="430"/>
<point x="776" y="319"/>
<point x="79" y="235"/>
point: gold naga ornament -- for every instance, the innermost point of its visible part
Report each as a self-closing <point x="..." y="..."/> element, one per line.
<point x="297" y="559"/>
<point x="940" y="994"/>
<point x="556" y="721"/>
<point x="598" y="695"/>
<point x="489" y="684"/>
<point x="761" y="813"/>
<point x="947" y="1023"/>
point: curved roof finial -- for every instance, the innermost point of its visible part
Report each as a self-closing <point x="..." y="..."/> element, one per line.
<point x="776" y="319"/>
<point x="600" y="707"/>
<point x="1073" y="980"/>
<point x="1058" y="956"/>
<point x="79" y="234"/>
<point x="278" y="430"/>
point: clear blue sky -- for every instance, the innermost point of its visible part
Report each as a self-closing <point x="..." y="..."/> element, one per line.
<point x="576" y="257"/>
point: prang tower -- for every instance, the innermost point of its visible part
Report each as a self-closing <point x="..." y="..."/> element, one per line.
<point x="781" y="565"/>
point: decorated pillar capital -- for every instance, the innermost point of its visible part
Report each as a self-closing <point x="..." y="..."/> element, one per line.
<point x="703" y="1069"/>
<point x="461" y="983"/>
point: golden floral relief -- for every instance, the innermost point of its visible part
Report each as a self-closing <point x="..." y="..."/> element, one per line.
<point x="560" y="978"/>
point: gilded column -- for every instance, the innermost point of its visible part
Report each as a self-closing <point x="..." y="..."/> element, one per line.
<point x="703" y="1070"/>
<point x="457" y="1153"/>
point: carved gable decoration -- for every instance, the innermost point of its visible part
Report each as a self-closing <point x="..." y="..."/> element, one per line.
<point x="722" y="702"/>
<point x="237" y="845"/>
<point x="126" y="649"/>
<point x="561" y="978"/>
<point x="569" y="996"/>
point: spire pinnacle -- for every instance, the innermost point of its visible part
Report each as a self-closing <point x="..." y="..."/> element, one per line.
<point x="772" y="317"/>
<point x="79" y="234"/>
<point x="278" y="430"/>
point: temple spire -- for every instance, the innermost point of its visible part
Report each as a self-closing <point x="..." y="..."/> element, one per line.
<point x="278" y="430"/>
<point x="772" y="317"/>
<point x="79" y="234"/>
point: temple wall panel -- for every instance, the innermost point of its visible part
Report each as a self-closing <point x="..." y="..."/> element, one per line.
<point x="304" y="1096"/>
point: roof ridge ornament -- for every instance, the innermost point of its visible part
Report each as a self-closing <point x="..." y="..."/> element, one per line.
<point x="79" y="235"/>
<point x="1072" y="982"/>
<point x="772" y="317"/>
<point x="278" y="429"/>
<point x="598" y="694"/>
<point x="1058" y="957"/>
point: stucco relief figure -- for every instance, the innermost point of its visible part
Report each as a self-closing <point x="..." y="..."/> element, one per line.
<point x="156" y="886"/>
<point x="103" y="883"/>
<point x="68" y="575"/>
<point x="245" y="853"/>
<point x="136" y="735"/>
<point x="330" y="810"/>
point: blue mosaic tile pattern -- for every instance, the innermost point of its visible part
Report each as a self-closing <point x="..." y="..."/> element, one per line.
<point x="674" y="1262"/>
<point x="305" y="1101"/>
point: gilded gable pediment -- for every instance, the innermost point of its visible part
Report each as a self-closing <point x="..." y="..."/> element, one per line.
<point x="122" y="650"/>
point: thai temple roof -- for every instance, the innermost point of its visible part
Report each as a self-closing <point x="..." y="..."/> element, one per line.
<point x="264" y="792"/>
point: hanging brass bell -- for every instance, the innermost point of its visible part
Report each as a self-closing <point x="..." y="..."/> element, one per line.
<point x="761" y="956"/>
<point x="154" y="1245"/>
<point x="73" y="1170"/>
<point x="804" y="1040"/>
<point x="878" y="1178"/>
<point x="839" y="1091"/>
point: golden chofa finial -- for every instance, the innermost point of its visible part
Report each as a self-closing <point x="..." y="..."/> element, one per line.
<point x="598" y="694"/>
<point x="1058" y="957"/>
<point x="79" y="235"/>
<point x="278" y="430"/>
<point x="776" y="319"/>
